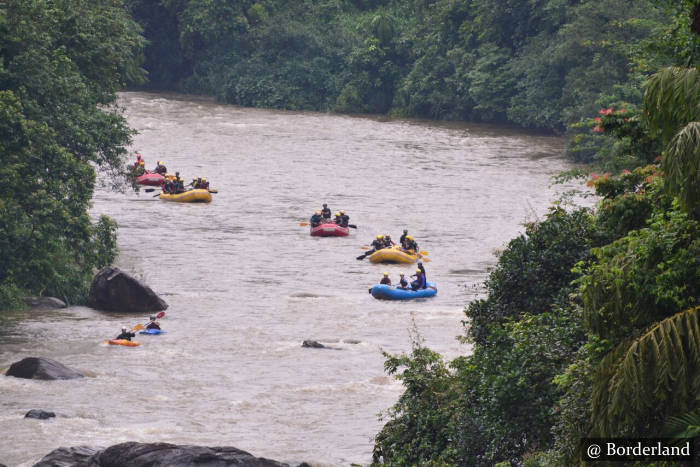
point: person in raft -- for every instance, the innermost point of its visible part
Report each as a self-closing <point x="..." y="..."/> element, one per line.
<point x="419" y="283"/>
<point x="140" y="169"/>
<point x="403" y="283"/>
<point x="153" y="324"/>
<point x="386" y="280"/>
<point x="410" y="244"/>
<point x="160" y="168"/>
<point x="377" y="244"/>
<point x="422" y="270"/>
<point x="179" y="184"/>
<point x="326" y="212"/>
<point x="338" y="219"/>
<point x="127" y="335"/>
<point x="344" y="219"/>
<point x="402" y="240"/>
<point x="316" y="219"/>
<point x="388" y="242"/>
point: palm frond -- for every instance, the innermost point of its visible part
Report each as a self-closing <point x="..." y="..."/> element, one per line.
<point x="671" y="100"/>
<point x="643" y="381"/>
<point x="681" y="165"/>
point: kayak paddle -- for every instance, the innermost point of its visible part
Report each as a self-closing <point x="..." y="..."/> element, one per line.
<point x="303" y="224"/>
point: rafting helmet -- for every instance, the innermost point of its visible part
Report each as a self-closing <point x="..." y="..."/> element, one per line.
<point x="160" y="162"/>
<point x="386" y="273"/>
<point x="204" y="179"/>
<point x="405" y="231"/>
<point x="153" y="318"/>
<point x="402" y="274"/>
<point x="123" y="328"/>
<point x="318" y="212"/>
<point x="409" y="237"/>
<point x="342" y="212"/>
<point x="142" y="163"/>
<point x="337" y="214"/>
<point x="380" y="237"/>
<point x="325" y="205"/>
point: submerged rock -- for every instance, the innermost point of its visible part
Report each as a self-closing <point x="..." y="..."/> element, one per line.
<point x="132" y="454"/>
<point x="114" y="290"/>
<point x="44" y="302"/>
<point x="39" y="414"/>
<point x="41" y="368"/>
<point x="313" y="345"/>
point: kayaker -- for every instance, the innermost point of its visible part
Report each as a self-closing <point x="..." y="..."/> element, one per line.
<point x="344" y="219"/>
<point x="403" y="283"/>
<point x="386" y="280"/>
<point x="410" y="244"/>
<point x="326" y="211"/>
<point x="419" y="283"/>
<point x="127" y="335"/>
<point x="316" y="219"/>
<point x="160" y="168"/>
<point x="153" y="324"/>
<point x="388" y="242"/>
<point x="402" y="240"/>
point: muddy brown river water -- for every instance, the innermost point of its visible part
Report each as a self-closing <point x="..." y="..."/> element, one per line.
<point x="246" y="284"/>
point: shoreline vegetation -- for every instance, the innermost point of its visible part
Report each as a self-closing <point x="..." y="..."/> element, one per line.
<point x="591" y="322"/>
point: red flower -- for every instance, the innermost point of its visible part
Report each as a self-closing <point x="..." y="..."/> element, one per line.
<point x="598" y="119"/>
<point x="607" y="111"/>
<point x="598" y="129"/>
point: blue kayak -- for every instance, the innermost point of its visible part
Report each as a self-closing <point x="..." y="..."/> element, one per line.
<point x="389" y="292"/>
<point x="152" y="331"/>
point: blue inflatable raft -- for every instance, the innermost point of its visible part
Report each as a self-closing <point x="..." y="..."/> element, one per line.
<point x="389" y="292"/>
<point x="152" y="331"/>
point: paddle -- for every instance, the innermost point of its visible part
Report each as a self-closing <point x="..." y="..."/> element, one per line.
<point x="213" y="190"/>
<point x="141" y="326"/>
<point x="424" y="253"/>
<point x="303" y="224"/>
<point x="352" y="226"/>
<point x="149" y="190"/>
<point x="157" y="194"/>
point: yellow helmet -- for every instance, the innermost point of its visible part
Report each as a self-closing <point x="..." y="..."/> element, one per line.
<point x="409" y="237"/>
<point x="142" y="163"/>
<point x="380" y="237"/>
<point x="386" y="273"/>
<point x="204" y="179"/>
<point x="337" y="214"/>
<point x="160" y="162"/>
<point x="342" y="212"/>
<point x="318" y="212"/>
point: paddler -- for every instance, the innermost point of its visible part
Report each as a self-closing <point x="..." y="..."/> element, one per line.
<point x="420" y="282"/>
<point x="326" y="212"/>
<point x="344" y="219"/>
<point x="338" y="219"/>
<point x="402" y="240"/>
<point x="388" y="242"/>
<point x="126" y="335"/>
<point x="316" y="219"/>
<point x="386" y="280"/>
<point x="410" y="244"/>
<point x="403" y="283"/>
<point x="160" y="168"/>
<point x="377" y="244"/>
<point x="153" y="324"/>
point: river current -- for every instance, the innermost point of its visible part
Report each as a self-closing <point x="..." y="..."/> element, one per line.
<point x="246" y="284"/>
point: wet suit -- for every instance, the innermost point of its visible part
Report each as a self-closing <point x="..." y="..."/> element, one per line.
<point x="125" y="335"/>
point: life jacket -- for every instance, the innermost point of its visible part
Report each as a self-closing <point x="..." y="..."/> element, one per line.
<point x="385" y="280"/>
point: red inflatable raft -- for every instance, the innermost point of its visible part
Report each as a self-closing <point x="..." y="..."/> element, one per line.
<point x="150" y="179"/>
<point x="329" y="230"/>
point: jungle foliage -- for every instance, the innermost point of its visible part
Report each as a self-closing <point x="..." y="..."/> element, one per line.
<point x="538" y="63"/>
<point x="590" y="325"/>
<point x="61" y="63"/>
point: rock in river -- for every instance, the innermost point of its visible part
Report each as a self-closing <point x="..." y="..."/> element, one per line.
<point x="44" y="302"/>
<point x="132" y="454"/>
<point x="41" y="368"/>
<point x="114" y="290"/>
<point x="39" y="414"/>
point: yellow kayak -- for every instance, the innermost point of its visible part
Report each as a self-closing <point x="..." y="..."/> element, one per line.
<point x="191" y="196"/>
<point x="395" y="254"/>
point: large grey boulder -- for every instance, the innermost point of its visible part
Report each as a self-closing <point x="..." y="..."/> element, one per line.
<point x="68" y="457"/>
<point x="132" y="454"/>
<point x="114" y="290"/>
<point x="39" y="414"/>
<point x="41" y="368"/>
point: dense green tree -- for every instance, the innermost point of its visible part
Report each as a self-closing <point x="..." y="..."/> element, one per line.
<point x="61" y="63"/>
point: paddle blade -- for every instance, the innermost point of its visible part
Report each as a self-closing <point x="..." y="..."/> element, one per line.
<point x="212" y="190"/>
<point x="160" y="315"/>
<point x="425" y="253"/>
<point x="303" y="224"/>
<point x="361" y="257"/>
<point x="352" y="226"/>
<point x="149" y="190"/>
<point x="138" y="327"/>
<point x="365" y="247"/>
<point x="425" y="260"/>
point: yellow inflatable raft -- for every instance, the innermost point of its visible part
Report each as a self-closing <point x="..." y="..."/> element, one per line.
<point x="191" y="196"/>
<point x="395" y="254"/>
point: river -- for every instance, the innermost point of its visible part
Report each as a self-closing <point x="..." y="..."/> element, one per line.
<point x="246" y="284"/>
